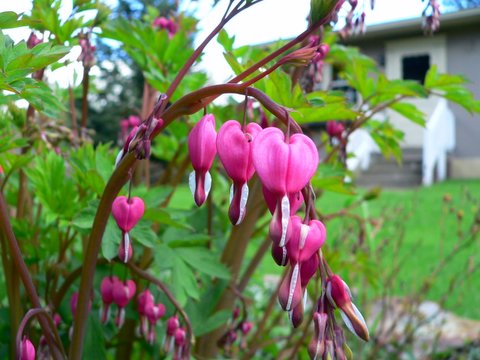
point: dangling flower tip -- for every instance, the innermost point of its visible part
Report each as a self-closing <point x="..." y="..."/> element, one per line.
<point x="200" y="185"/>
<point x="354" y="321"/>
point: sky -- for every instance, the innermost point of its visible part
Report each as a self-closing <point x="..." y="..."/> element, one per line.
<point x="267" y="21"/>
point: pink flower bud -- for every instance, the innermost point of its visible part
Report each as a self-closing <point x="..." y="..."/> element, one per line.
<point x="316" y="349"/>
<point x="339" y="295"/>
<point x="106" y="291"/>
<point x="74" y="301"/>
<point x="234" y="146"/>
<point x="335" y="129"/>
<point x="172" y="325"/>
<point x="27" y="350"/>
<point x="202" y="149"/>
<point x="246" y="327"/>
<point x="180" y="342"/>
<point x="236" y="313"/>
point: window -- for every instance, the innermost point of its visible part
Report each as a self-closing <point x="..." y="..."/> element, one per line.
<point x="415" y="67"/>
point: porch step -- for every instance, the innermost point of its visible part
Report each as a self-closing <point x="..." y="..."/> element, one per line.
<point x="388" y="173"/>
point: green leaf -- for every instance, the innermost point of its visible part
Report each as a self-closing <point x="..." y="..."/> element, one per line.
<point x="335" y="111"/>
<point x="111" y="240"/>
<point x="204" y="261"/>
<point x="83" y="220"/>
<point x="225" y="40"/>
<point x="8" y="19"/>
<point x="410" y="111"/>
<point x="212" y="323"/>
<point x="94" y="340"/>
<point x="162" y="216"/>
<point x="143" y="233"/>
<point x="184" y="283"/>
<point x="236" y="67"/>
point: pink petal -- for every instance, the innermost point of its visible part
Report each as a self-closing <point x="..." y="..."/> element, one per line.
<point x="284" y="168"/>
<point x="234" y="148"/>
<point x="202" y="144"/>
<point x="290" y="292"/>
<point x="126" y="212"/>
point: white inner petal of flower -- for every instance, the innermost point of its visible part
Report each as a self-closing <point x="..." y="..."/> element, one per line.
<point x="231" y="195"/>
<point x="208" y="183"/>
<point x="348" y="289"/>
<point x="284" y="255"/>
<point x="285" y="218"/>
<point x="243" y="203"/>
<point x="305" y="298"/>
<point x="121" y="317"/>
<point x="293" y="285"/>
<point x="304" y="230"/>
<point x="192" y="183"/>
<point x="119" y="157"/>
<point x="126" y="247"/>
<point x="347" y="322"/>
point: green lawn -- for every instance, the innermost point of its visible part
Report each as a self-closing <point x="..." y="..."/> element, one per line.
<point x="430" y="235"/>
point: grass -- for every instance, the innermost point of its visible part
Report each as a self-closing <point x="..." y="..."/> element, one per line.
<point x="431" y="231"/>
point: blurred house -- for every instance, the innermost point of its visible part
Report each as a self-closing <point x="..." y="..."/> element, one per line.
<point x="449" y="146"/>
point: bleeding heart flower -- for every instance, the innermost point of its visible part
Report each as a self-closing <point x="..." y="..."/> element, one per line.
<point x="172" y="325"/>
<point x="153" y="313"/>
<point x="106" y="291"/>
<point x="317" y="346"/>
<point x="305" y="239"/>
<point x="309" y="269"/>
<point x="27" y="350"/>
<point x="123" y="292"/>
<point x="144" y="300"/>
<point x="290" y="292"/>
<point x="339" y="295"/>
<point x="234" y="146"/>
<point x="127" y="213"/>
<point x="180" y="342"/>
<point x="202" y="149"/>
<point x="335" y="129"/>
<point x="284" y="166"/>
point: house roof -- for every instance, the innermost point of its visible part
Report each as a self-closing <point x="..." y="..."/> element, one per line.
<point x="409" y="27"/>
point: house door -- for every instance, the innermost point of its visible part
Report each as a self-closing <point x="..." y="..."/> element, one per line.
<point x="410" y="59"/>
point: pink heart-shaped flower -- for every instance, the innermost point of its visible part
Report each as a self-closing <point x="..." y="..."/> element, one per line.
<point x="234" y="146"/>
<point x="284" y="167"/>
<point x="305" y="239"/>
<point x="202" y="149"/>
<point x="127" y="212"/>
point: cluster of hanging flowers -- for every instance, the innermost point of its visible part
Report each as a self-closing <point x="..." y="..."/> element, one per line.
<point x="237" y="331"/>
<point x="285" y="163"/>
